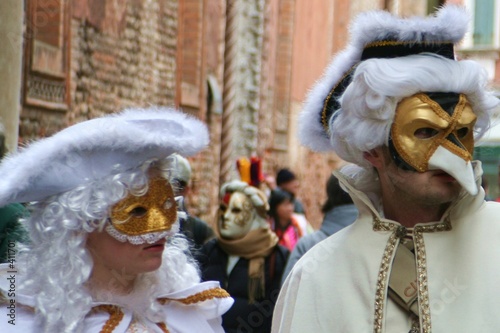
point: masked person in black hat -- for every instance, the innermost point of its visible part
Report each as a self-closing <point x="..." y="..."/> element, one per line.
<point x="423" y="255"/>
<point x="104" y="253"/>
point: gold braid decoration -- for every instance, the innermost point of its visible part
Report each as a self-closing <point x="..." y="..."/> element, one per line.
<point x="199" y="297"/>
<point x="324" y="119"/>
<point x="115" y="317"/>
<point x="396" y="43"/>
<point x="3" y="298"/>
<point x="163" y="327"/>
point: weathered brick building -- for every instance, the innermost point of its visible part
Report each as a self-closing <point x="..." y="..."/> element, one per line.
<point x="242" y="66"/>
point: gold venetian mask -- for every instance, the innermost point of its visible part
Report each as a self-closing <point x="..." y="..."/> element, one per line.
<point x="421" y="125"/>
<point x="153" y="213"/>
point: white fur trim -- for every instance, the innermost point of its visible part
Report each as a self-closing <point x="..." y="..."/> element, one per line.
<point x="89" y="151"/>
<point x="449" y="24"/>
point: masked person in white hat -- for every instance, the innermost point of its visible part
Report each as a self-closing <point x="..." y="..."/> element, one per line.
<point x="104" y="253"/>
<point x="194" y="228"/>
<point x="245" y="258"/>
<point x="423" y="255"/>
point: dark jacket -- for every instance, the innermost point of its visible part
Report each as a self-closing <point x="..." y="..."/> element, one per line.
<point x="243" y="317"/>
<point x="196" y="230"/>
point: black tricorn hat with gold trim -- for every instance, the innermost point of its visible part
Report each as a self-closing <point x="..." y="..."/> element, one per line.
<point x="376" y="34"/>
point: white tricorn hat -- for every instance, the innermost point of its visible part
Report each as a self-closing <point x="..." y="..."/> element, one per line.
<point x="93" y="149"/>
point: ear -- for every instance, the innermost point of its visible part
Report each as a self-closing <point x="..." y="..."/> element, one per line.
<point x="375" y="157"/>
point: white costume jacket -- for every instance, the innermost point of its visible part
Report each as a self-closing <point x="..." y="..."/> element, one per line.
<point x="340" y="285"/>
<point x="195" y="309"/>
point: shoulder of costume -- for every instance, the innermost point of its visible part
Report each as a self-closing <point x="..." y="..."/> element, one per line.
<point x="201" y="292"/>
<point x="206" y="298"/>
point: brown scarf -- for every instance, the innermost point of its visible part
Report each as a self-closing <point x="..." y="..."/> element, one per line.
<point x="255" y="246"/>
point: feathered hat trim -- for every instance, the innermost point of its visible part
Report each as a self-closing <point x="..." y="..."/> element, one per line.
<point x="93" y="149"/>
<point x="376" y="34"/>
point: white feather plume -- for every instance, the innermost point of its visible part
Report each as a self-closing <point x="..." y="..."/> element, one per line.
<point x="93" y="149"/>
<point x="449" y="24"/>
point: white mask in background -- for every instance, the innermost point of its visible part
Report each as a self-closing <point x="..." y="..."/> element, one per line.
<point x="237" y="217"/>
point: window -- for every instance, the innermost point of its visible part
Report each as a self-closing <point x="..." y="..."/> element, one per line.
<point x="484" y="22"/>
<point x="46" y="54"/>
<point x="485" y="25"/>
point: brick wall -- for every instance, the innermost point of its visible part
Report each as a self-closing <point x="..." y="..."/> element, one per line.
<point x="128" y="64"/>
<point x="122" y="54"/>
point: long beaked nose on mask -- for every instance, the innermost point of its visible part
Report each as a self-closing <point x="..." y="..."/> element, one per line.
<point x="455" y="166"/>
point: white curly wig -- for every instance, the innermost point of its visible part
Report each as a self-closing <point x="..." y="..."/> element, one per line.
<point x="59" y="226"/>
<point x="364" y="108"/>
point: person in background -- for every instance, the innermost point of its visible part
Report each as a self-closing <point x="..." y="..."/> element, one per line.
<point x="424" y="253"/>
<point x="287" y="181"/>
<point x="245" y="258"/>
<point x="195" y="229"/>
<point x="282" y="219"/>
<point x="105" y="255"/>
<point x="339" y="212"/>
<point x="11" y="228"/>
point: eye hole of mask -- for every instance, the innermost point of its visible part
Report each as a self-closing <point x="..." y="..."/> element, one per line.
<point x="425" y="133"/>
<point x="462" y="132"/>
<point x="138" y="211"/>
<point x="236" y="210"/>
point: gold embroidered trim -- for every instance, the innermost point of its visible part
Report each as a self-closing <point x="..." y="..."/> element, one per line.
<point x="163" y="327"/>
<point x="383" y="226"/>
<point x="380" y="293"/>
<point x="199" y="297"/>
<point x="382" y="280"/>
<point x="394" y="43"/>
<point x="324" y="121"/>
<point x="423" y="299"/>
<point x="115" y="316"/>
